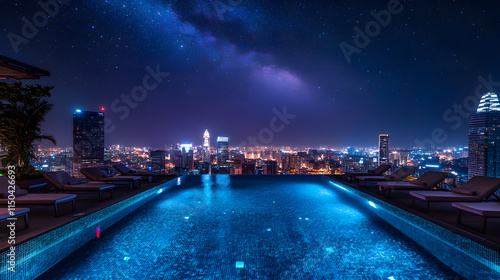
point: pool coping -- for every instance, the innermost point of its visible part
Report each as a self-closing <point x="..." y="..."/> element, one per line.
<point x="453" y="249"/>
<point x="37" y="255"/>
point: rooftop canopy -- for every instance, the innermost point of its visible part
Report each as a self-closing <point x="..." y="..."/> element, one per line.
<point x="16" y="70"/>
<point x="489" y="103"/>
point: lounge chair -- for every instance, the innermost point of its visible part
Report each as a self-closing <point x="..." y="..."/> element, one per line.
<point x="379" y="171"/>
<point x="477" y="189"/>
<point x="96" y="174"/>
<point x="485" y="210"/>
<point x="25" y="198"/>
<point x="64" y="182"/>
<point x="125" y="171"/>
<point x="427" y="181"/>
<point x="398" y="175"/>
<point x="6" y="214"/>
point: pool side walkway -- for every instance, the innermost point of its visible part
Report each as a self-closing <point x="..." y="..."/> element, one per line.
<point x="42" y="219"/>
<point x="442" y="214"/>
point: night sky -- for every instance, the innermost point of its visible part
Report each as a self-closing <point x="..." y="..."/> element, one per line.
<point x="230" y="62"/>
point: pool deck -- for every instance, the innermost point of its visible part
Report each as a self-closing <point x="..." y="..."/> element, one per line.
<point x="42" y="219"/>
<point x="442" y="214"/>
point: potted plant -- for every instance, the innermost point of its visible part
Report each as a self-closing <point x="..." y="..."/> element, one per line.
<point x="23" y="109"/>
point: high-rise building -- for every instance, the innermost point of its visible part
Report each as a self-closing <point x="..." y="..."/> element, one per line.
<point x="223" y="166"/>
<point x="204" y="168"/>
<point x="88" y="140"/>
<point x="290" y="163"/>
<point x="205" y="153"/>
<point x="158" y="161"/>
<point x="383" y="149"/>
<point x="187" y="157"/>
<point x="222" y="150"/>
<point x="271" y="167"/>
<point x="248" y="167"/>
<point x="176" y="156"/>
<point x="484" y="138"/>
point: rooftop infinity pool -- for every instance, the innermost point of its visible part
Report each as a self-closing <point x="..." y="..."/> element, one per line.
<point x="259" y="227"/>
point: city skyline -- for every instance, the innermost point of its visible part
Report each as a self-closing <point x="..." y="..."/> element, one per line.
<point x="153" y="63"/>
<point x="208" y="139"/>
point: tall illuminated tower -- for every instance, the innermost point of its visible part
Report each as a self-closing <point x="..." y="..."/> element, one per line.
<point x="206" y="146"/>
<point x="383" y="149"/>
<point x="88" y="140"/>
<point x="484" y="138"/>
<point x="222" y="150"/>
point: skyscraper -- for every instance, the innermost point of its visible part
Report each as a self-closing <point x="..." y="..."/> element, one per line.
<point x="223" y="166"/>
<point x="271" y="167"/>
<point x="383" y="149"/>
<point x="88" y="140"/>
<point x="484" y="138"/>
<point x="176" y="157"/>
<point x="222" y="150"/>
<point x="248" y="167"/>
<point x="158" y="161"/>
<point x="187" y="157"/>
<point x="205" y="153"/>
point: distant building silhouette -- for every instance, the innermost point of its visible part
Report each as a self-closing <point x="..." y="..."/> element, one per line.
<point x="176" y="156"/>
<point x="222" y="150"/>
<point x="187" y="157"/>
<point x="383" y="149"/>
<point x="248" y="168"/>
<point x="205" y="153"/>
<point x="290" y="163"/>
<point x="271" y="167"/>
<point x="223" y="166"/>
<point x="158" y="161"/>
<point x="205" y="168"/>
<point x="88" y="140"/>
<point x="484" y="138"/>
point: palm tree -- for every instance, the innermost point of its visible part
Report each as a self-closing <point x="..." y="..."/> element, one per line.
<point x="22" y="111"/>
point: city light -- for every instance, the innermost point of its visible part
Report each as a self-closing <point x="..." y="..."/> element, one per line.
<point x="315" y="122"/>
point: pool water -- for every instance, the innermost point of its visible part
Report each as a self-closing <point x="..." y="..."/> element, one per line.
<point x="251" y="227"/>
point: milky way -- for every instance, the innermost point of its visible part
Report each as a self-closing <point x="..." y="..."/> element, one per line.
<point x="230" y="63"/>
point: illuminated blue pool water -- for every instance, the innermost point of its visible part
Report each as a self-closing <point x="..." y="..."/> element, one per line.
<point x="259" y="227"/>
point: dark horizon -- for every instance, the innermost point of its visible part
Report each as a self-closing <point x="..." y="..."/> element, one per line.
<point x="229" y="71"/>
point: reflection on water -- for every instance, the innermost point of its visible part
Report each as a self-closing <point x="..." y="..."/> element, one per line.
<point x="240" y="227"/>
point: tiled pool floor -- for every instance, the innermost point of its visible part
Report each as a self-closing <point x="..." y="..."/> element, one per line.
<point x="238" y="227"/>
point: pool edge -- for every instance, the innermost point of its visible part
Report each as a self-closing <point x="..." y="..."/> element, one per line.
<point x="461" y="253"/>
<point x="37" y="255"/>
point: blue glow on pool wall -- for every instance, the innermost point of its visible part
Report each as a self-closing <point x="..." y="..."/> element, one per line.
<point x="338" y="186"/>
<point x="239" y="228"/>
